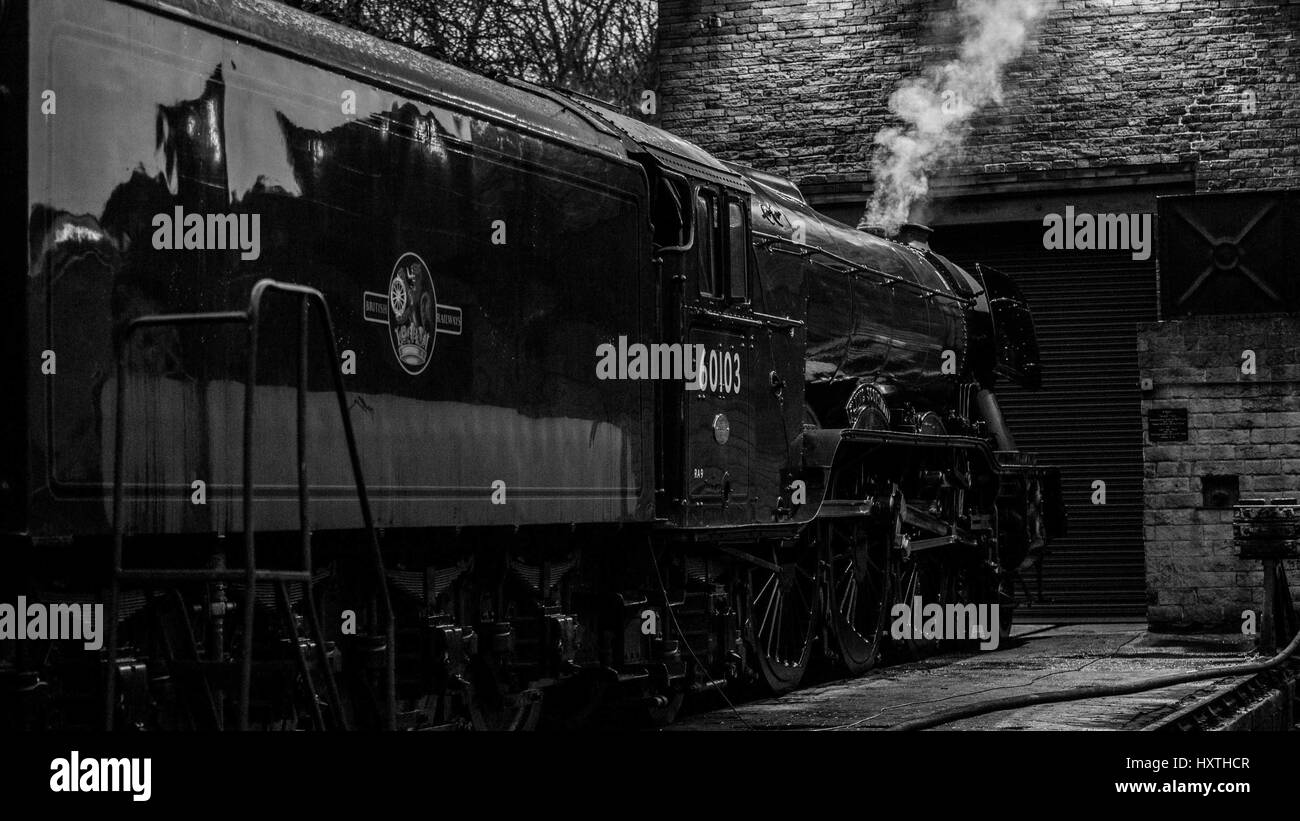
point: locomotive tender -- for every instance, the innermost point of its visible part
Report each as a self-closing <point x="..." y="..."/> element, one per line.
<point x="331" y="380"/>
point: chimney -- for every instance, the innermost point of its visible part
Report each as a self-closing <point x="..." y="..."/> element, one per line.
<point x="916" y="235"/>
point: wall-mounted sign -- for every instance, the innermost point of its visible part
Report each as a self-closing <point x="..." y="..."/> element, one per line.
<point x="1167" y="425"/>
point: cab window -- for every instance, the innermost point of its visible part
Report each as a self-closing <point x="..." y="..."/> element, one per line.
<point x="670" y="214"/>
<point x="706" y="242"/>
<point x="737" y="251"/>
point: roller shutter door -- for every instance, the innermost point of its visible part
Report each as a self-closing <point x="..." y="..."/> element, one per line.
<point x="1086" y="418"/>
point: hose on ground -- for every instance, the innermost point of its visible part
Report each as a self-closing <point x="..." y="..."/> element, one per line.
<point x="1097" y="691"/>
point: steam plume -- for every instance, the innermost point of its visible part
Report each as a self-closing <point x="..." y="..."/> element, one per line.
<point x="936" y="107"/>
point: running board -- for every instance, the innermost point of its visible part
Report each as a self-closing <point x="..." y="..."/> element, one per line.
<point x="857" y="508"/>
<point x="846" y="508"/>
<point x="916" y="545"/>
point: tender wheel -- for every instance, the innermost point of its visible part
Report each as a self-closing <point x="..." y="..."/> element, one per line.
<point x="781" y="616"/>
<point x="576" y="704"/>
<point x="505" y="712"/>
<point x="858" y="586"/>
<point x="665" y="709"/>
<point x="495" y="702"/>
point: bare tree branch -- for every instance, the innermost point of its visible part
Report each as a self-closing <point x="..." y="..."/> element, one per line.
<point x="602" y="48"/>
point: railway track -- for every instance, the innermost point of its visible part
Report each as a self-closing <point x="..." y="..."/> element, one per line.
<point x="1264" y="701"/>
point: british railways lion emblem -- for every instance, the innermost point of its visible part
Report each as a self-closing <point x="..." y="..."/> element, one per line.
<point x="412" y="314"/>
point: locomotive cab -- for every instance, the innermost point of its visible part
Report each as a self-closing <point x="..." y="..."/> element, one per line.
<point x="725" y="408"/>
<point x="708" y="436"/>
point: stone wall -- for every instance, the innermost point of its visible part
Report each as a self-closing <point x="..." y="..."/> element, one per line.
<point x="1240" y="425"/>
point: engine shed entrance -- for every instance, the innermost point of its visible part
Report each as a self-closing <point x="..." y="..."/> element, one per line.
<point x="1086" y="417"/>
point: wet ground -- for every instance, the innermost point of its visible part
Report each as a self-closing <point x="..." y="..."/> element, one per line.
<point x="1037" y="658"/>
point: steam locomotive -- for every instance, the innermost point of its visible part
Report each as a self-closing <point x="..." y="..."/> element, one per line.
<point x="363" y="391"/>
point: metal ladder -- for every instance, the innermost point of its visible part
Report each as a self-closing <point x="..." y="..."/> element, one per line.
<point x="251" y="575"/>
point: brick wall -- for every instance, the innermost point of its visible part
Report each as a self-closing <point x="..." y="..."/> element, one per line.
<point x="1238" y="425"/>
<point x="1109" y="87"/>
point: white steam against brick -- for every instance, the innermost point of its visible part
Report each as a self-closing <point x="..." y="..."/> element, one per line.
<point x="937" y="106"/>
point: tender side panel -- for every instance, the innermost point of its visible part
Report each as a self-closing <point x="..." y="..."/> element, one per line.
<point x="472" y="267"/>
<point x="21" y="365"/>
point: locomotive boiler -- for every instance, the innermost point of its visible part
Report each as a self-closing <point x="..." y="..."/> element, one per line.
<point x="363" y="391"/>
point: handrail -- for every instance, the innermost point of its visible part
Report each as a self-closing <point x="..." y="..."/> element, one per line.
<point x="252" y="318"/>
<point x="766" y="241"/>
